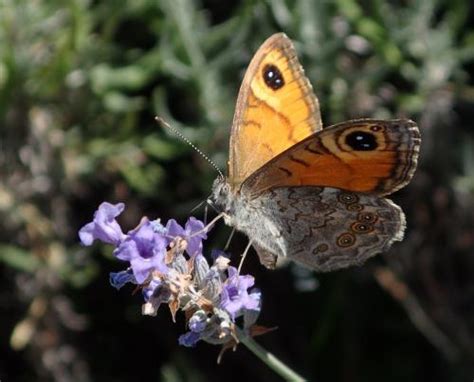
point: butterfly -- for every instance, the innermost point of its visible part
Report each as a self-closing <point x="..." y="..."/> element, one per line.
<point x="313" y="195"/>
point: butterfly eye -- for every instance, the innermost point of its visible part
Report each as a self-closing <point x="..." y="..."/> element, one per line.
<point x="225" y="189"/>
<point x="361" y="141"/>
<point x="273" y="77"/>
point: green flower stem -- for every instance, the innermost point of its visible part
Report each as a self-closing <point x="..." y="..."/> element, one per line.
<point x="272" y="362"/>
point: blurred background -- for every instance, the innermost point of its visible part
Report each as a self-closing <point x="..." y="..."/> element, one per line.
<point x="80" y="84"/>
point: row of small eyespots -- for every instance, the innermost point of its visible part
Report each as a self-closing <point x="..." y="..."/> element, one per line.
<point x="364" y="224"/>
<point x="347" y="239"/>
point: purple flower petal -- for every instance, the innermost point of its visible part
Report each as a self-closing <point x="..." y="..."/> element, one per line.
<point x="149" y="291"/>
<point x="198" y="321"/>
<point x="189" y="233"/>
<point x="174" y="229"/>
<point x="145" y="249"/>
<point x="193" y="226"/>
<point x="158" y="227"/>
<point x="189" y="339"/>
<point x="104" y="227"/>
<point x="235" y="297"/>
<point x="119" y="279"/>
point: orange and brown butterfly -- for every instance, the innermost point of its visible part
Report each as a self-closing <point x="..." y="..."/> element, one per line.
<point x="313" y="195"/>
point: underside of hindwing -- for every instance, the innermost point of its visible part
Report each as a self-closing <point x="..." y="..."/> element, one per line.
<point x="320" y="227"/>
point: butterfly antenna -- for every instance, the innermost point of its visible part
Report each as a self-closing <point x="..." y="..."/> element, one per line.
<point x="197" y="206"/>
<point x="186" y="140"/>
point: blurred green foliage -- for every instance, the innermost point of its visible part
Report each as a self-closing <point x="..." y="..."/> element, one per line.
<point x="80" y="84"/>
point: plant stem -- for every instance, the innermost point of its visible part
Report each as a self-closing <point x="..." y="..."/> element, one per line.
<point x="272" y="362"/>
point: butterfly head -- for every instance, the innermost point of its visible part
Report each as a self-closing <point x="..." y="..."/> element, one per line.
<point x="221" y="194"/>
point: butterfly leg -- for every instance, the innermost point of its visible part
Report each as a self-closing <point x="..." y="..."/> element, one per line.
<point x="226" y="247"/>
<point x="244" y="255"/>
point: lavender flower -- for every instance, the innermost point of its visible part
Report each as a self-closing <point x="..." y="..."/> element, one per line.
<point x="104" y="227"/>
<point x="189" y="339"/>
<point x="193" y="232"/>
<point x="145" y="249"/>
<point x="235" y="297"/>
<point x="168" y="262"/>
<point x="119" y="279"/>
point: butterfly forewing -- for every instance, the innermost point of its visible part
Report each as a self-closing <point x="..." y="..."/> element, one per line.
<point x="371" y="156"/>
<point x="276" y="108"/>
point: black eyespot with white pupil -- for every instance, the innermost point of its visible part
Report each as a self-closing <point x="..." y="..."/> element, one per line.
<point x="273" y="77"/>
<point x="361" y="141"/>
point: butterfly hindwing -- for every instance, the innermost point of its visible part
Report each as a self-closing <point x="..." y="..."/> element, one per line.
<point x="356" y="227"/>
<point x="324" y="228"/>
